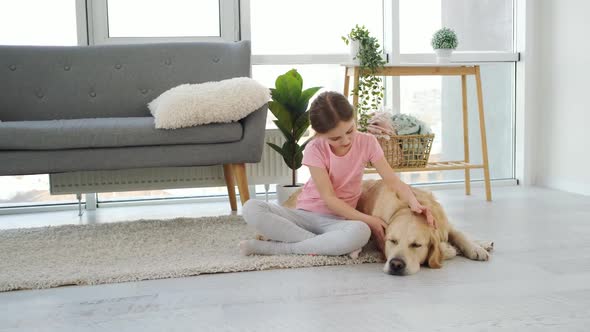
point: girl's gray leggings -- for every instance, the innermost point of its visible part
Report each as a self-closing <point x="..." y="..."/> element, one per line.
<point x="303" y="232"/>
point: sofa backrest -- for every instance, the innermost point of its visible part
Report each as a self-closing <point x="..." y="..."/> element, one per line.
<point x="72" y="82"/>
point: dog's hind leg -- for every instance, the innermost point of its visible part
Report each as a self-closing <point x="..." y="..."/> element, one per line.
<point x="467" y="247"/>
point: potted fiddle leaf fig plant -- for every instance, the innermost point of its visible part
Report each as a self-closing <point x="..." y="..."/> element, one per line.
<point x="289" y="105"/>
<point x="444" y="41"/>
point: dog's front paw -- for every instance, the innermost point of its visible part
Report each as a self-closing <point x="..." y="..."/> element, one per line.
<point x="355" y="254"/>
<point x="487" y="245"/>
<point x="447" y="250"/>
<point x="477" y="253"/>
<point x="260" y="237"/>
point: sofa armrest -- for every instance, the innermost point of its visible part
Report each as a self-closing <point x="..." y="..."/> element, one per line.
<point x="254" y="126"/>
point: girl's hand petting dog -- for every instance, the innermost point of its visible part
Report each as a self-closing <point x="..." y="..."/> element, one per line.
<point x="377" y="226"/>
<point x="421" y="209"/>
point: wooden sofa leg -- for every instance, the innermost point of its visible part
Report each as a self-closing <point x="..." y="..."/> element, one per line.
<point x="228" y="173"/>
<point x="240" y="173"/>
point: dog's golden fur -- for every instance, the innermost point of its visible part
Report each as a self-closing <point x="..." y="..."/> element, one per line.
<point x="410" y="242"/>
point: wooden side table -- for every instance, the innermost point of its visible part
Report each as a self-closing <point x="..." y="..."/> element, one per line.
<point x="462" y="70"/>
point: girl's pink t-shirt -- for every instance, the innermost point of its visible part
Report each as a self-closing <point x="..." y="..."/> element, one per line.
<point x="346" y="172"/>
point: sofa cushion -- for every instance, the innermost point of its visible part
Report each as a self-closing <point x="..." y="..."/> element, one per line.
<point x="108" y="132"/>
<point x="211" y="102"/>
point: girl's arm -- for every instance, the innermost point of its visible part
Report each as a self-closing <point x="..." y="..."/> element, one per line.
<point x="324" y="185"/>
<point x="402" y="189"/>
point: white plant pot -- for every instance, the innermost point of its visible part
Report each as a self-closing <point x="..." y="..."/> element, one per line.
<point x="355" y="47"/>
<point x="443" y="55"/>
<point x="284" y="192"/>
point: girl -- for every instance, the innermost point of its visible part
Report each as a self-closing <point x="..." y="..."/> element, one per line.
<point x="326" y="221"/>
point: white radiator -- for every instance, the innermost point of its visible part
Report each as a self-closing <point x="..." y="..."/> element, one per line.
<point x="271" y="169"/>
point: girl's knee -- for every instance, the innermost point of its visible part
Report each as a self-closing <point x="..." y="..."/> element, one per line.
<point x="360" y="234"/>
<point x="251" y="204"/>
<point x="356" y="235"/>
<point x="252" y="209"/>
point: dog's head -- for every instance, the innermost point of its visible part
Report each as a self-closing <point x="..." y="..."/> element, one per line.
<point x="409" y="243"/>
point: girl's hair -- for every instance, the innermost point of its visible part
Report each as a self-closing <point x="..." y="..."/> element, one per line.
<point x="327" y="110"/>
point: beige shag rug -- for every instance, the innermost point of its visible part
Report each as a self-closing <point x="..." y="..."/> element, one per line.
<point x="137" y="250"/>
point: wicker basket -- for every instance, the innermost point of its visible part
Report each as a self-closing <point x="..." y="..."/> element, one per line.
<point x="407" y="151"/>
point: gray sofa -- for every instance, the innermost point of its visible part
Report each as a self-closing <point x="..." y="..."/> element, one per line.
<point x="67" y="109"/>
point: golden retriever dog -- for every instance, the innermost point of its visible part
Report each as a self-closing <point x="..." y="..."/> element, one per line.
<point x="409" y="241"/>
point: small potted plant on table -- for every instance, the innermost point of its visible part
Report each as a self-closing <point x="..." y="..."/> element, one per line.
<point x="444" y="41"/>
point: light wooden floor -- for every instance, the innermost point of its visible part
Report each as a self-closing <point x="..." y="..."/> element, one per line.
<point x="537" y="280"/>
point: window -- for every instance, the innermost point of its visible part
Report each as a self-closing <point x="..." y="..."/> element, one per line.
<point x="305" y="35"/>
<point x="27" y="190"/>
<point x="161" y="193"/>
<point x="50" y="23"/>
<point x="470" y="20"/>
<point x="136" y="21"/>
<point x="314" y="48"/>
<point x="437" y="101"/>
<point x="38" y="22"/>
<point x="309" y="26"/>
<point x="173" y="18"/>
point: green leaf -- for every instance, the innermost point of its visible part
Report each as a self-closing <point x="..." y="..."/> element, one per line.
<point x="287" y="133"/>
<point x="277" y="96"/>
<point x="276" y="148"/>
<point x="284" y="117"/>
<point x="305" y="97"/>
<point x="289" y="155"/>
<point x="296" y="155"/>
<point x="289" y="86"/>
<point x="301" y="125"/>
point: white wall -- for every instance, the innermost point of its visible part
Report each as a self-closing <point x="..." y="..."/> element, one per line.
<point x="562" y="136"/>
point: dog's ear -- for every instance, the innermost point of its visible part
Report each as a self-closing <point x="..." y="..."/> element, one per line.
<point x="434" y="254"/>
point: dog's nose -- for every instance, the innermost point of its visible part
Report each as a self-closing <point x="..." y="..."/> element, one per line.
<point x="397" y="265"/>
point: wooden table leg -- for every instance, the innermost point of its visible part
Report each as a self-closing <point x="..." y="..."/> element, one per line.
<point x="231" y="186"/>
<point x="240" y="173"/>
<point x="466" y="134"/>
<point x="346" y="82"/>
<point x="482" y="128"/>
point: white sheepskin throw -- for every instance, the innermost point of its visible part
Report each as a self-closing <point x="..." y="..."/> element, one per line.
<point x="190" y="105"/>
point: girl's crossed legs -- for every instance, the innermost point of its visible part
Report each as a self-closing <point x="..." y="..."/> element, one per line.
<point x="301" y="232"/>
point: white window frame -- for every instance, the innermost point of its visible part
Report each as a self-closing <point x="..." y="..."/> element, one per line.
<point x="525" y="38"/>
<point x="81" y="22"/>
<point x="98" y="26"/>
